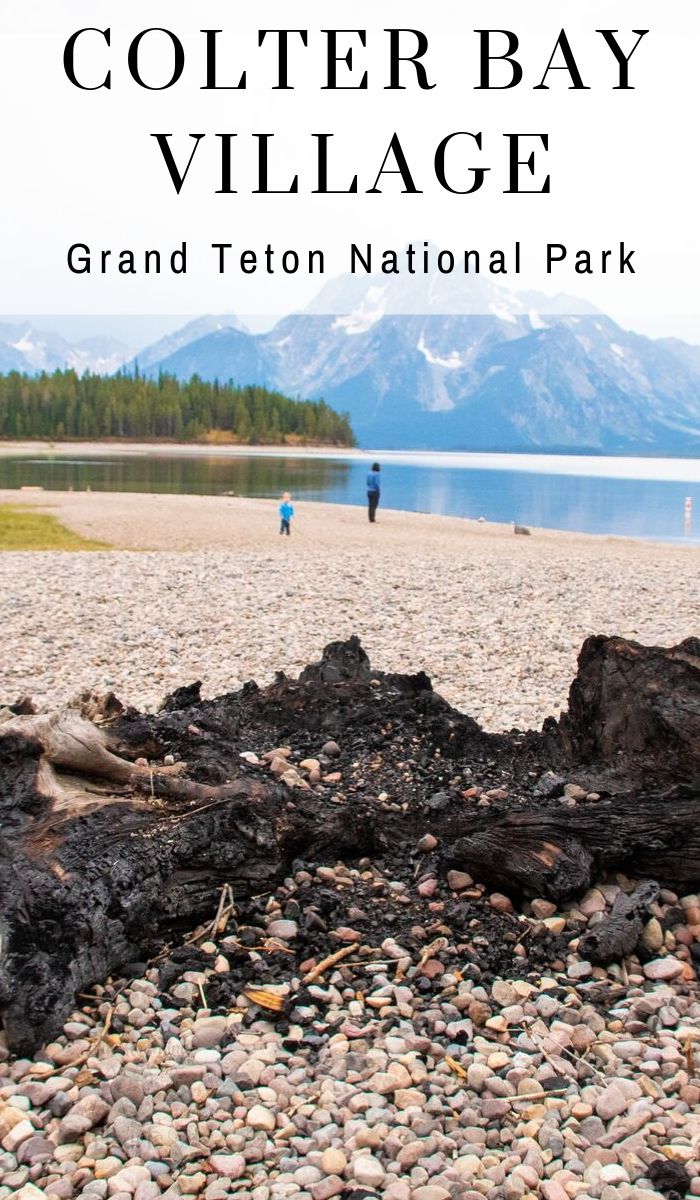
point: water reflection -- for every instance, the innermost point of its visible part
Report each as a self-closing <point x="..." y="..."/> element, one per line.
<point x="310" y="478"/>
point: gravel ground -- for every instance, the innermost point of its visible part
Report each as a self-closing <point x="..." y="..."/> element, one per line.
<point x="496" y="620"/>
<point x="410" y="1080"/>
<point x="418" y="1078"/>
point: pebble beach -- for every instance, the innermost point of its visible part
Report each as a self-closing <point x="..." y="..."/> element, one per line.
<point x="201" y="587"/>
<point x="397" y="1074"/>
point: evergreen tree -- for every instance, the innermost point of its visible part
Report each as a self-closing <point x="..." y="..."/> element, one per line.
<point x="64" y="405"/>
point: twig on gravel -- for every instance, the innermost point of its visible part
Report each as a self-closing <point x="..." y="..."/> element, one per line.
<point x="326" y="963"/>
<point x="219" y="912"/>
<point x="92" y="1048"/>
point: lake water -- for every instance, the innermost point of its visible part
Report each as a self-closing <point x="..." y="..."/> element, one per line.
<point x="643" y="498"/>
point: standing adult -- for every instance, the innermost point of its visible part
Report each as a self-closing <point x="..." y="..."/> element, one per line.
<point x="373" y="491"/>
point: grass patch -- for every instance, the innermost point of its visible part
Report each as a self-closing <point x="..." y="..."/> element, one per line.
<point x="23" y="528"/>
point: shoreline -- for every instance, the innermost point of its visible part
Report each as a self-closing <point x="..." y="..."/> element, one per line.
<point x="573" y="465"/>
<point x="183" y="521"/>
<point x="174" y="449"/>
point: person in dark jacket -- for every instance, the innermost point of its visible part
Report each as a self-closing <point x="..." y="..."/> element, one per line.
<point x="373" y="491"/>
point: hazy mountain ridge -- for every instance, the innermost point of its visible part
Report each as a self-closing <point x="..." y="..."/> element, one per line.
<point x="515" y="379"/>
<point x="192" y="332"/>
<point x="439" y="363"/>
<point x="27" y="349"/>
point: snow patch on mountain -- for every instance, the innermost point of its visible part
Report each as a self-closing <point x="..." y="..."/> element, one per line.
<point x="453" y="363"/>
<point x="503" y="312"/>
<point x="367" y="315"/>
<point x="25" y="345"/>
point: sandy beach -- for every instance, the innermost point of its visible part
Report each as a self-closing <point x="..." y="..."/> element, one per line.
<point x="201" y="587"/>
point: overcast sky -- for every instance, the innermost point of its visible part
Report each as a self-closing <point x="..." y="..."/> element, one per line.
<point x="81" y="167"/>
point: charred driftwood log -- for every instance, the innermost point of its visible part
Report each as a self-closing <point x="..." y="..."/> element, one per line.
<point x="637" y="706"/>
<point x="107" y="854"/>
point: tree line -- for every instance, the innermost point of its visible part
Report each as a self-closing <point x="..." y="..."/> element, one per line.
<point x="66" y="405"/>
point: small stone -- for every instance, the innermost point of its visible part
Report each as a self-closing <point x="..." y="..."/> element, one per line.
<point x="333" y="1162"/>
<point x="432" y="968"/>
<point x="409" y="1098"/>
<point x="186" y="1075"/>
<point x="18" y="1134"/>
<point x="479" y="1012"/>
<point x="191" y="1185"/>
<point x="208" y="1032"/>
<point x="495" y="1109"/>
<point x="500" y="903"/>
<point x="331" y="749"/>
<point x="107" y="1167"/>
<point x="613" y="1173"/>
<point x="278" y="752"/>
<point x="611" y="1102"/>
<point x="504" y="993"/>
<point x="126" y="1130"/>
<point x="468" y="1164"/>
<point x="146" y="1190"/>
<point x="663" y="969"/>
<point x="306" y="1175"/>
<point x="333" y="1185"/>
<point x="477" y="1075"/>
<point x="397" y="1191"/>
<point x="542" y="909"/>
<point x="396" y="1077"/>
<point x="653" y="935"/>
<point x="286" y="930"/>
<point x="260" y="1118"/>
<point x="427" y="843"/>
<point x="579" y="970"/>
<point x="551" y="1190"/>
<point x="593" y="902"/>
<point x="457" y="881"/>
<point x="128" y="1180"/>
<point x="35" y="1150"/>
<point x="231" y="1166"/>
<point x="367" y="1171"/>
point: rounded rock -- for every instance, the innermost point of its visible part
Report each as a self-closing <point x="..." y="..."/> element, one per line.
<point x="260" y="1117"/>
<point x="333" y="1162"/>
<point x="368" y="1171"/>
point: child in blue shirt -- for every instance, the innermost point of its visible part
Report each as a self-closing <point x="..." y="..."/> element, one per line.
<point x="286" y="513"/>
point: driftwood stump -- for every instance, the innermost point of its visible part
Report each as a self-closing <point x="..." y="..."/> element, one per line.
<point x="105" y="858"/>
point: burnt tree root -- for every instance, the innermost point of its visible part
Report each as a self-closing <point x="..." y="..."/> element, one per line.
<point x="107" y="854"/>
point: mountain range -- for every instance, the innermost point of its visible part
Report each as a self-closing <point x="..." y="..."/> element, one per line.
<point x="437" y="363"/>
<point x="29" y="350"/>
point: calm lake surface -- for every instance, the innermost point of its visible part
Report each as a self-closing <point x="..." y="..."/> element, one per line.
<point x="643" y="498"/>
